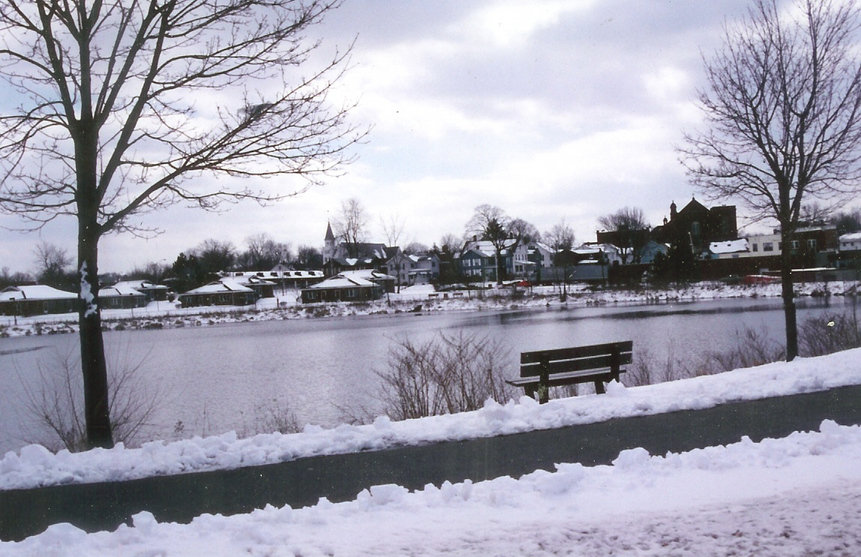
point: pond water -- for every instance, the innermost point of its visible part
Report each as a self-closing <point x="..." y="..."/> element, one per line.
<point x="217" y="378"/>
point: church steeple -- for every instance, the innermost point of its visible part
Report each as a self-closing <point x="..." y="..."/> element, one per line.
<point x="328" y="244"/>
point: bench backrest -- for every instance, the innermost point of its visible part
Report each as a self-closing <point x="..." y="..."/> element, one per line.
<point x="580" y="358"/>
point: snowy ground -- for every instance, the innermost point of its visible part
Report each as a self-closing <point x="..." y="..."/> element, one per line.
<point x="423" y="298"/>
<point x="800" y="495"/>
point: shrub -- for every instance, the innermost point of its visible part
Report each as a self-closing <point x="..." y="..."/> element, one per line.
<point x="832" y="333"/>
<point x="447" y="374"/>
<point x="56" y="408"/>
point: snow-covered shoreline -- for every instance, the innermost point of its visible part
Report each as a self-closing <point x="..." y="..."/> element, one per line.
<point x="164" y="315"/>
<point x="34" y="466"/>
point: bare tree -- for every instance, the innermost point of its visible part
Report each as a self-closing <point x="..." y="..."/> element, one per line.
<point x="393" y="229"/>
<point x="847" y="221"/>
<point x="215" y="256"/>
<point x="782" y="112"/>
<point x="416" y="248"/>
<point x="560" y="236"/>
<point x="351" y="226"/>
<point x="52" y="264"/>
<point x="8" y="278"/>
<point x="490" y="223"/>
<point x="631" y="231"/>
<point x="127" y="106"/>
<point x="263" y="252"/>
<point x="308" y="257"/>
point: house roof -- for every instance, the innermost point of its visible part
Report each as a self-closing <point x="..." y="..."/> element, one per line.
<point x="274" y="274"/>
<point x="139" y="285"/>
<point x="731" y="246"/>
<point x="119" y="289"/>
<point x="35" y="292"/>
<point x="219" y="287"/>
<point x="851" y="237"/>
<point x="366" y="274"/>
<point x="340" y="281"/>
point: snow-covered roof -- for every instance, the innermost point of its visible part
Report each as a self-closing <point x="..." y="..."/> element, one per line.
<point x="487" y="248"/>
<point x="219" y="287"/>
<point x="140" y="285"/>
<point x="119" y="289"/>
<point x="35" y="292"/>
<point x="341" y="281"/>
<point x="274" y="274"/>
<point x="366" y="274"/>
<point x="851" y="237"/>
<point x="729" y="246"/>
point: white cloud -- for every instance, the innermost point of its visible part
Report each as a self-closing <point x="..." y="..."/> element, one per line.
<point x="510" y="24"/>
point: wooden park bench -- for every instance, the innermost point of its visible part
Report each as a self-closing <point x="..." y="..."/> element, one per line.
<point x="598" y="363"/>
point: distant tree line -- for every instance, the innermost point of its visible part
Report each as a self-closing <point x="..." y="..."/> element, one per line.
<point x="199" y="265"/>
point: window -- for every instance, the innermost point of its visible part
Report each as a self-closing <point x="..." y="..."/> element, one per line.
<point x="696" y="229"/>
<point x="755" y="247"/>
<point x="811" y="244"/>
<point x="767" y="246"/>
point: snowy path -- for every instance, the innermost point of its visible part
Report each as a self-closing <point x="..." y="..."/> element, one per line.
<point x="800" y="495"/>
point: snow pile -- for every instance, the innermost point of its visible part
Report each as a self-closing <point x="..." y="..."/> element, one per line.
<point x="796" y="495"/>
<point x="34" y="465"/>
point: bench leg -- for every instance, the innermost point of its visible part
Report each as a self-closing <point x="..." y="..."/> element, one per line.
<point x="530" y="391"/>
<point x="543" y="393"/>
<point x="599" y="387"/>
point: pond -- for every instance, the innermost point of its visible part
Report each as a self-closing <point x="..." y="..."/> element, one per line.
<point x="236" y="376"/>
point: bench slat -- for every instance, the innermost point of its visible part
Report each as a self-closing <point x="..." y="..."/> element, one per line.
<point x="575" y="352"/>
<point x="566" y="378"/>
<point x="581" y="364"/>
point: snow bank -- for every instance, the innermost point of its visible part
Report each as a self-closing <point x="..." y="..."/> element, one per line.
<point x="33" y="465"/>
<point x="776" y="497"/>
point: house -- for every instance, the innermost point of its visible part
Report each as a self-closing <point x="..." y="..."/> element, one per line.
<point x="650" y="251"/>
<point x="849" y="251"/>
<point x="343" y="256"/>
<point x="224" y="292"/>
<point x="697" y="226"/>
<point x="476" y="265"/>
<point x="152" y="292"/>
<point x="602" y="253"/>
<point x="542" y="258"/>
<point x="347" y="287"/>
<point x="479" y="260"/>
<point x="36" y="299"/>
<point x="810" y="246"/>
<point x="413" y="269"/>
<point x="280" y="275"/>
<point x="121" y="296"/>
<point x="629" y="242"/>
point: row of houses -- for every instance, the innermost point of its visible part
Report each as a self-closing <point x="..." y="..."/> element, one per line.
<point x="38" y="299"/>
<point x="708" y="236"/>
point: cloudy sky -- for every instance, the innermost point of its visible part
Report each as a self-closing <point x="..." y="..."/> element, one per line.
<point x="549" y="109"/>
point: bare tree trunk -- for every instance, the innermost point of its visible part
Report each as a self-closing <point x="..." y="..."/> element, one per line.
<point x="93" y="365"/>
<point x="788" y="296"/>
